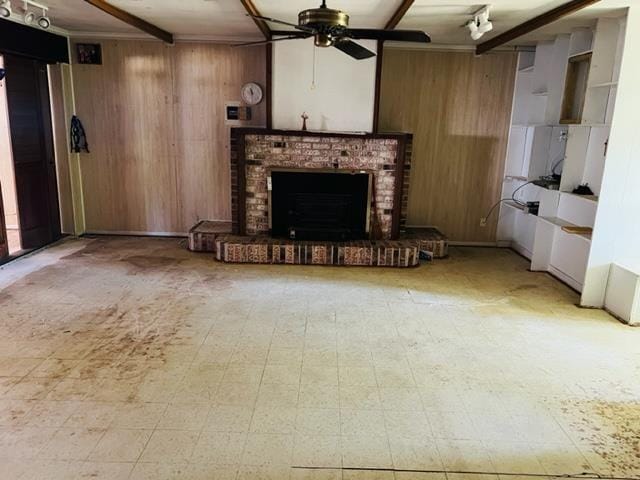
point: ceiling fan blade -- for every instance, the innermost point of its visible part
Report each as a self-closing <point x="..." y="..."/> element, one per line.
<point x="353" y="49"/>
<point x="393" y="35"/>
<point x="264" y="42"/>
<point x="291" y="33"/>
<point x="282" y="22"/>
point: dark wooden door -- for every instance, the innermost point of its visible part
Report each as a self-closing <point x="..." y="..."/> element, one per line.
<point x="32" y="144"/>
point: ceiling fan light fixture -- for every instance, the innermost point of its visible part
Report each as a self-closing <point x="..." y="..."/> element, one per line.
<point x="5" y="8"/>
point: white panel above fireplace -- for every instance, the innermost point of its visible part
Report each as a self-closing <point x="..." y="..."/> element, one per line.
<point x="343" y="97"/>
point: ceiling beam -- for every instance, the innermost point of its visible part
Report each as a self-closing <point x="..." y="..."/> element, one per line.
<point x="132" y="20"/>
<point x="534" y="24"/>
<point x="398" y="14"/>
<point x="262" y="25"/>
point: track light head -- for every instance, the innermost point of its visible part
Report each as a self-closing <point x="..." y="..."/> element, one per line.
<point x="43" y="21"/>
<point x="5" y="8"/>
<point x="472" y="25"/>
<point x="484" y="25"/>
<point x="29" y="18"/>
<point x="477" y="35"/>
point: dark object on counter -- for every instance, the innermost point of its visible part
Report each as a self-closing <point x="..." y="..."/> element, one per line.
<point x="583" y="190"/>
<point x="532" y="208"/>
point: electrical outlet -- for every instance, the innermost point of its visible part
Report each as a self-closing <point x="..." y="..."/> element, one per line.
<point x="483" y="222"/>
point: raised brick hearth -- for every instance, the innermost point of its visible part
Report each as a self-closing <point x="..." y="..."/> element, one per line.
<point x="215" y="237"/>
<point x="255" y="151"/>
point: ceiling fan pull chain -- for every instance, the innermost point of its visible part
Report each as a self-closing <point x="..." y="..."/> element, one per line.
<point x="313" y="69"/>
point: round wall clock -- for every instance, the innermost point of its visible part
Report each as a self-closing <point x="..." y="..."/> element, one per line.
<point x="251" y="93"/>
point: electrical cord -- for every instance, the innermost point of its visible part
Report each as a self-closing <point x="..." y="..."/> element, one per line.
<point x="513" y="195"/>
<point x="512" y="198"/>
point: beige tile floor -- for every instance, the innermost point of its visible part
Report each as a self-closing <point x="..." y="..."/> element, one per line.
<point x="128" y="358"/>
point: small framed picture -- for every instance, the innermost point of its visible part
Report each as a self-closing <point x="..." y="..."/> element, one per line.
<point x="89" y="53"/>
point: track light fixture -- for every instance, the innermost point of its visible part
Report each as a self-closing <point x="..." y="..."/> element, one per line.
<point x="30" y="17"/>
<point x="5" y="8"/>
<point x="480" y="24"/>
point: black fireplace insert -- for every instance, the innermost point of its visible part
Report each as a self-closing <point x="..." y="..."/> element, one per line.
<point x="320" y="205"/>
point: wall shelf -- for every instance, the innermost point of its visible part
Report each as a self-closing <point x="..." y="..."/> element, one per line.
<point x="604" y="85"/>
<point x="585" y="52"/>
<point x="559" y="222"/>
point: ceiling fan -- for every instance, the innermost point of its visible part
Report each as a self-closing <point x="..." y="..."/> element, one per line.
<point x="330" y="28"/>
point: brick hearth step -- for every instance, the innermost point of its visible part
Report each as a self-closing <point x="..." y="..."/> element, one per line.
<point x="267" y="250"/>
<point x="205" y="234"/>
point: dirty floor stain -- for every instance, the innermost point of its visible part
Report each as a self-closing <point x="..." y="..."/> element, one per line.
<point x="132" y="358"/>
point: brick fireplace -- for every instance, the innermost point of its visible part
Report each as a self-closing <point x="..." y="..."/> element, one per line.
<point x="382" y="163"/>
<point x="256" y="152"/>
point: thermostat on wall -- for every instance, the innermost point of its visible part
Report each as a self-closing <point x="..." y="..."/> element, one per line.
<point x="236" y="114"/>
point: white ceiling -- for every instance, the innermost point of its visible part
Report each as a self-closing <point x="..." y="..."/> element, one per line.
<point x="444" y="19"/>
<point x="226" y="19"/>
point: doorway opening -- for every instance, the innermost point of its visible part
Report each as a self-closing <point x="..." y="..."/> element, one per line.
<point x="29" y="209"/>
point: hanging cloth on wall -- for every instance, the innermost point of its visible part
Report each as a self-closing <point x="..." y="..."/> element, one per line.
<point x="78" y="137"/>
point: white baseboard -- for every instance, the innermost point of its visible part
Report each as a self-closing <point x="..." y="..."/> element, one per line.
<point x="473" y="244"/>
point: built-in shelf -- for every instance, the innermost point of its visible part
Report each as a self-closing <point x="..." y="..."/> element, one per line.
<point x="589" y="198"/>
<point x="559" y="222"/>
<point x="604" y="85"/>
<point x="516" y="177"/>
<point x="544" y="131"/>
<point x="586" y="52"/>
<point x="514" y="205"/>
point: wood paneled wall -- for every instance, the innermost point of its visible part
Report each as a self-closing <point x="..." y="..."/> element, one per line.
<point x="154" y="118"/>
<point x="458" y="106"/>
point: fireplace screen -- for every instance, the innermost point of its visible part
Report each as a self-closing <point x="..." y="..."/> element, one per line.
<point x="320" y="205"/>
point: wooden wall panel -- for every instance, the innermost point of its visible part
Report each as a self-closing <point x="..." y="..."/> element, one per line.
<point x="207" y="76"/>
<point x="458" y="106"/>
<point x="154" y="120"/>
